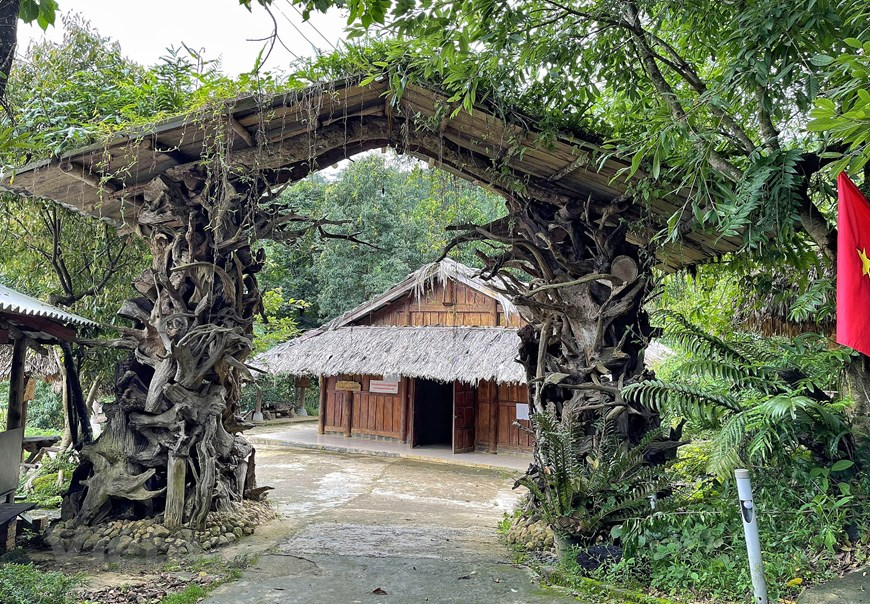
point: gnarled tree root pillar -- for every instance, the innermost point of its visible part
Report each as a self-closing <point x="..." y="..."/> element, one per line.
<point x="172" y="442"/>
<point x="587" y="329"/>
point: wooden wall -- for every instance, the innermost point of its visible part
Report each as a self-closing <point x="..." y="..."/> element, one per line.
<point x="509" y="436"/>
<point x="383" y="414"/>
<point x="374" y="414"/>
<point x="448" y="305"/>
<point x="496" y="412"/>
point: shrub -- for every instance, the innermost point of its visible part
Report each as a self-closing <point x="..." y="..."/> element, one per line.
<point x="24" y="584"/>
<point x="591" y="485"/>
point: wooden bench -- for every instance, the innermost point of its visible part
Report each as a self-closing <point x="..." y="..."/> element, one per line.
<point x="36" y="446"/>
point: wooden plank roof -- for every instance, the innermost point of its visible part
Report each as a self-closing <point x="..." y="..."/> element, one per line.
<point x="287" y="136"/>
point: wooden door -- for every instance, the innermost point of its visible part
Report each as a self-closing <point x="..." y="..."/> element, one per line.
<point x="463" y="417"/>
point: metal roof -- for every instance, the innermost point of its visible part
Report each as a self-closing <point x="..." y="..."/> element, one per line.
<point x="22" y="304"/>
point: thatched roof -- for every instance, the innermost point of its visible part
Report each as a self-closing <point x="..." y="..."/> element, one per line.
<point x="39" y="365"/>
<point x="466" y="354"/>
<point x="421" y="281"/>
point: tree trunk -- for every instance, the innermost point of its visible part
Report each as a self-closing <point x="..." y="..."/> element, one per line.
<point x="856" y="385"/>
<point x="171" y="442"/>
<point x="587" y="327"/>
<point x="8" y="39"/>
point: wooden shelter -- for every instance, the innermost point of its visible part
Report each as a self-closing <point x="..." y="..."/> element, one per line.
<point x="25" y="322"/>
<point x="431" y="361"/>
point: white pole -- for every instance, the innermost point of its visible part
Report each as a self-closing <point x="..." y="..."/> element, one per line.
<point x="750" y="531"/>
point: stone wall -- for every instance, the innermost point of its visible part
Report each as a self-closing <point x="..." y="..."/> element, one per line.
<point x="148" y="537"/>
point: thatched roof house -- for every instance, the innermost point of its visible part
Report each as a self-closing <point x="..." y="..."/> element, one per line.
<point x="430" y="361"/>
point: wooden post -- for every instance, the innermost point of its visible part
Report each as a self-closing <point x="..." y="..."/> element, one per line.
<point x="176" y="477"/>
<point x="321" y="411"/>
<point x="406" y="395"/>
<point x="493" y="417"/>
<point x="348" y="413"/>
<point x="15" y="415"/>
<point x="412" y="392"/>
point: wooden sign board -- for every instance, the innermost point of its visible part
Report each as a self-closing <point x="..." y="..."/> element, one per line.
<point x="384" y="387"/>
<point x="348" y="386"/>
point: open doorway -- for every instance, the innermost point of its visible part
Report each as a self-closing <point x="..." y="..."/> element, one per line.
<point x="433" y="413"/>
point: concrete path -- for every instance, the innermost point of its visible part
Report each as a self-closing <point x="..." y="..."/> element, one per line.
<point x="373" y="529"/>
<point x="305" y="435"/>
<point x="853" y="588"/>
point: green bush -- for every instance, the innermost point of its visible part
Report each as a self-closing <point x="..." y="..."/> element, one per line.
<point x="44" y="412"/>
<point x="24" y="584"/>
<point x="698" y="548"/>
<point x="280" y="389"/>
<point x="45" y="491"/>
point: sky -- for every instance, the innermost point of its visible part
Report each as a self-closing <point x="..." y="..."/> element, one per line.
<point x="217" y="28"/>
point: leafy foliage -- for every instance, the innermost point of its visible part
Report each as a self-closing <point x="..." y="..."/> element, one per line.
<point x="25" y="584"/>
<point x="590" y="485"/>
<point x="398" y="207"/>
<point x="842" y="113"/>
<point x="765" y="399"/>
<point x="691" y="549"/>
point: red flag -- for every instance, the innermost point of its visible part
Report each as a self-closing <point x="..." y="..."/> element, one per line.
<point x="853" y="266"/>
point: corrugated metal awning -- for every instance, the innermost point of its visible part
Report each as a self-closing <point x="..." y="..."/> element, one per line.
<point x="15" y="302"/>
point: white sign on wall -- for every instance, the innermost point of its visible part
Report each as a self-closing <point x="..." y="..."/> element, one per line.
<point x="383" y="387"/>
<point x="522" y="411"/>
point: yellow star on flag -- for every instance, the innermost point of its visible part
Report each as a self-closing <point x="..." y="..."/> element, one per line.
<point x="865" y="262"/>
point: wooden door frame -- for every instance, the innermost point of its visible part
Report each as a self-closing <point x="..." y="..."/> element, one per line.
<point x="412" y="404"/>
<point x="453" y="423"/>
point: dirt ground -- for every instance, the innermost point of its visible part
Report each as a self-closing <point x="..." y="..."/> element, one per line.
<point x="370" y="529"/>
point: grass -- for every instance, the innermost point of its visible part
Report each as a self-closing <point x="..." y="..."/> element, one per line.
<point x="25" y="584"/>
<point x="226" y="572"/>
<point x="590" y="591"/>
<point x="191" y="595"/>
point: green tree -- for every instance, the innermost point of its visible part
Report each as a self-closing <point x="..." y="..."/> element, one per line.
<point x="710" y="97"/>
<point x="399" y="209"/>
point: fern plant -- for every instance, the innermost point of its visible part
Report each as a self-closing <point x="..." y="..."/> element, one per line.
<point x="762" y="398"/>
<point x="591" y="484"/>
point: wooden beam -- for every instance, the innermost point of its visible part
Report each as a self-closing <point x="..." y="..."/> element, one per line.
<point x="581" y="160"/>
<point x="412" y="396"/>
<point x="45" y="325"/>
<point x="80" y="173"/>
<point x="15" y="415"/>
<point x="172" y="152"/>
<point x="321" y="412"/>
<point x="242" y="132"/>
<point x="406" y="393"/>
